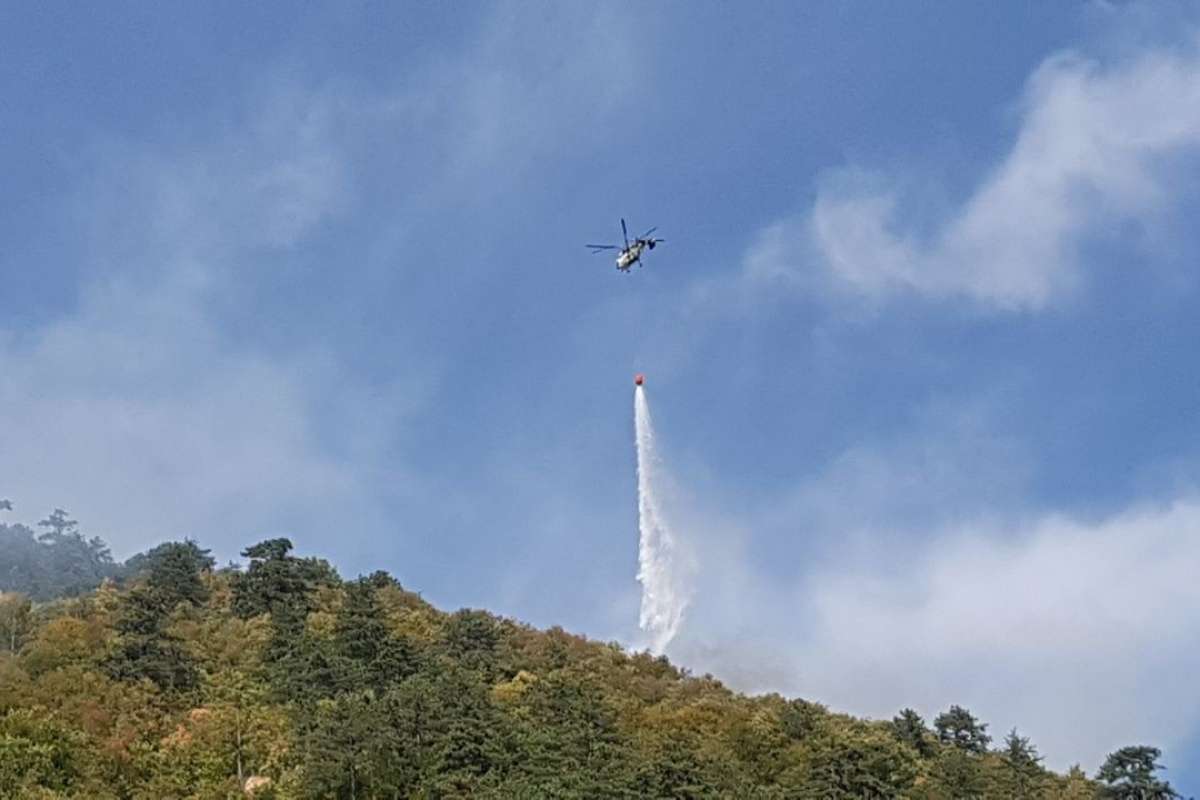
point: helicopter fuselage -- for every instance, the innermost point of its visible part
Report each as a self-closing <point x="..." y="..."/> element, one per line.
<point x="630" y="255"/>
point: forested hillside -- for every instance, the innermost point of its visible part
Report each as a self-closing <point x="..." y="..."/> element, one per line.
<point x="279" y="679"/>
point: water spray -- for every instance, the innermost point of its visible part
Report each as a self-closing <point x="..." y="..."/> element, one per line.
<point x="660" y="569"/>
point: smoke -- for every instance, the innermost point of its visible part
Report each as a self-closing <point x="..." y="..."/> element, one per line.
<point x="662" y="566"/>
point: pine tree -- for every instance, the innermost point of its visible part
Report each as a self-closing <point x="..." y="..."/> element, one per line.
<point x="909" y="728"/>
<point x="470" y="639"/>
<point x="276" y="581"/>
<point x="1023" y="776"/>
<point x="175" y="573"/>
<point x="1128" y="774"/>
<point x="370" y="654"/>
<point x="59" y="525"/>
<point x="959" y="728"/>
<point x="146" y="649"/>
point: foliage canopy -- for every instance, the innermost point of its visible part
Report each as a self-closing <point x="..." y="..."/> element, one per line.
<point x="167" y="677"/>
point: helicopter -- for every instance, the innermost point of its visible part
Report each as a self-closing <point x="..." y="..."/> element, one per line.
<point x="630" y="254"/>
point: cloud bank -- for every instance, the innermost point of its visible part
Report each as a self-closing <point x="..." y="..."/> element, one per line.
<point x="137" y="409"/>
<point x="1097" y="148"/>
<point x="1080" y="632"/>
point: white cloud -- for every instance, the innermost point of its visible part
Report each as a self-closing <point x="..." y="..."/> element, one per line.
<point x="136" y="410"/>
<point x="1079" y="632"/>
<point x="1096" y="148"/>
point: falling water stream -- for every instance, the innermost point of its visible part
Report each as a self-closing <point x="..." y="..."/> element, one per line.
<point x="660" y="568"/>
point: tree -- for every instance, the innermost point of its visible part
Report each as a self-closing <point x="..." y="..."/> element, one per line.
<point x="58" y="525"/>
<point x="566" y="741"/>
<point x="801" y="719"/>
<point x="61" y="642"/>
<point x="1075" y="786"/>
<point x="14" y="620"/>
<point x="471" y="638"/>
<point x="139" y="565"/>
<point x="909" y="728"/>
<point x="959" y="728"/>
<point x="35" y="753"/>
<point x="673" y="767"/>
<point x="145" y="649"/>
<point x="1023" y="776"/>
<point x="858" y="765"/>
<point x="473" y="742"/>
<point x="1128" y="774"/>
<point x="956" y="774"/>
<point x="248" y="728"/>
<point x="351" y="751"/>
<point x="55" y="563"/>
<point x="175" y="570"/>
<point x="370" y="654"/>
<point x="277" y="581"/>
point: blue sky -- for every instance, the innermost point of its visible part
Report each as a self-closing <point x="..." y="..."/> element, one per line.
<point x="919" y="345"/>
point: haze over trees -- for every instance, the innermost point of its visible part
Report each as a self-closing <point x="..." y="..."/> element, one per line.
<point x="167" y="677"/>
<point x="57" y="562"/>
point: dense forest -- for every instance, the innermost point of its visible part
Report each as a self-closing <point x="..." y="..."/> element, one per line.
<point x="167" y="677"/>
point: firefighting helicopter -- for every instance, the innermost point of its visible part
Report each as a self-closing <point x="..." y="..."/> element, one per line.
<point x="630" y="254"/>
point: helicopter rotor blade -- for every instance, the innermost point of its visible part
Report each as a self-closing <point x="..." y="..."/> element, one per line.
<point x="624" y="233"/>
<point x="647" y="233"/>
<point x="596" y="248"/>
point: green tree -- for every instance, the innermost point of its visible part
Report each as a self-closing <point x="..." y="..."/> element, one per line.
<point x="146" y="649"/>
<point x="801" y="719"/>
<point x="671" y="766"/>
<point x="370" y="654"/>
<point x="1022" y="776"/>
<point x="910" y="729"/>
<point x="856" y="764"/>
<point x="350" y="749"/>
<point x="36" y="754"/>
<point x="1128" y="774"/>
<point x="958" y="774"/>
<point x="140" y="565"/>
<point x="566" y="742"/>
<point x="15" y="621"/>
<point x="250" y="728"/>
<point x="471" y="639"/>
<point x="175" y="573"/>
<point x="1075" y="786"/>
<point x="474" y="740"/>
<point x="277" y="581"/>
<point x="959" y="728"/>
